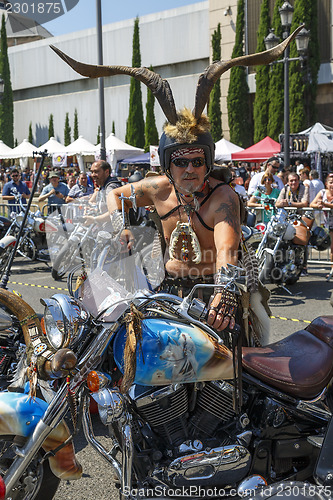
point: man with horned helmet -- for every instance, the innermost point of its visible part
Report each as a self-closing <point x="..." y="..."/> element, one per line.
<point x="206" y="210"/>
<point x="200" y="215"/>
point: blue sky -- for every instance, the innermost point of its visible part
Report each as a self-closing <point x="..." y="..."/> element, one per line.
<point x="83" y="15"/>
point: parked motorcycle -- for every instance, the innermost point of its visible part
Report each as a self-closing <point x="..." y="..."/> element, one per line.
<point x="32" y="245"/>
<point x="168" y="389"/>
<point x="282" y="251"/>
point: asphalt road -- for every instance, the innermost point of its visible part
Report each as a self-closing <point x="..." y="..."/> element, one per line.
<point x="309" y="299"/>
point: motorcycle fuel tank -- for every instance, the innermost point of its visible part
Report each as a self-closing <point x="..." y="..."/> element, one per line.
<point x="173" y="352"/>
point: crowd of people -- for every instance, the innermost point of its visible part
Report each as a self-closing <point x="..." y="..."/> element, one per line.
<point x="296" y="186"/>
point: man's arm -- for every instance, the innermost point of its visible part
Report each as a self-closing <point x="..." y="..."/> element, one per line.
<point x="282" y="200"/>
<point x="46" y="195"/>
<point x="145" y="192"/>
<point x="227" y="233"/>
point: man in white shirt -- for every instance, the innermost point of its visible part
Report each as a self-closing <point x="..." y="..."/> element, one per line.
<point x="272" y="167"/>
<point x="316" y="185"/>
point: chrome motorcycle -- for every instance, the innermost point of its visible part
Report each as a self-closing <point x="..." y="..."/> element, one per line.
<point x="33" y="243"/>
<point x="183" y="418"/>
<point x="282" y="252"/>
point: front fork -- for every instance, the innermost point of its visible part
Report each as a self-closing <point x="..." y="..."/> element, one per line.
<point x="123" y="470"/>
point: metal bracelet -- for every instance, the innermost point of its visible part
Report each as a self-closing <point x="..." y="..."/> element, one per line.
<point x="119" y="220"/>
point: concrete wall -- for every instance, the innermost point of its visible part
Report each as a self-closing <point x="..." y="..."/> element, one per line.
<point x="176" y="42"/>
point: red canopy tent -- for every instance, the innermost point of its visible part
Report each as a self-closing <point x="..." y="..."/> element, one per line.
<point x="263" y="150"/>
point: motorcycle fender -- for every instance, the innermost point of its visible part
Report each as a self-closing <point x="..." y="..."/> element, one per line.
<point x="7" y="241"/>
<point x="19" y="415"/>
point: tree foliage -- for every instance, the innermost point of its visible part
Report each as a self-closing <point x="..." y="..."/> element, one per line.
<point x="261" y="102"/>
<point x="67" y="131"/>
<point x="6" y="107"/>
<point x="30" y="135"/>
<point x="135" y="122"/>
<point x="238" y="92"/>
<point x="276" y="85"/>
<point x="51" y="126"/>
<point x="214" y="107"/>
<point x="151" y="133"/>
<point x="76" y="126"/>
<point x="113" y="128"/>
<point x="98" y="138"/>
<point x="303" y="82"/>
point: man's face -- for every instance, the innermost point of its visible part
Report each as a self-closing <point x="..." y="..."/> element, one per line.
<point x="15" y="177"/>
<point x="273" y="167"/>
<point x="293" y="182"/>
<point x="54" y="181"/>
<point x="187" y="177"/>
<point x="83" y="180"/>
<point x="99" y="175"/>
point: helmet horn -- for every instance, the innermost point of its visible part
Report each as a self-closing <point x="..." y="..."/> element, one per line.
<point x="159" y="87"/>
<point x="213" y="72"/>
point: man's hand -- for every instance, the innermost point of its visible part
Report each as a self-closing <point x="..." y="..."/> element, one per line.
<point x="126" y="240"/>
<point x="222" y="311"/>
<point x="89" y="219"/>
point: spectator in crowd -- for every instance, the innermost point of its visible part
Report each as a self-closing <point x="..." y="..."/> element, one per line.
<point x="324" y="199"/>
<point x="316" y="185"/>
<point x="304" y="177"/>
<point x="26" y="174"/>
<point x="237" y="187"/>
<point x="101" y="174"/>
<point x="55" y="193"/>
<point x="71" y="181"/>
<point x="259" y="197"/>
<point x="294" y="194"/>
<point x="283" y="175"/>
<point x="80" y="189"/>
<point x="272" y="167"/>
<point x="13" y="188"/>
<point x="298" y="166"/>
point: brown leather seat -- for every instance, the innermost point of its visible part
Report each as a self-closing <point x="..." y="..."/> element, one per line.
<point x="300" y="365"/>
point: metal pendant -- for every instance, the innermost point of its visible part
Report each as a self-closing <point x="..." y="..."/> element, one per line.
<point x="183" y="230"/>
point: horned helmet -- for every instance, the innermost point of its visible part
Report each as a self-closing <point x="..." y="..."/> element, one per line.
<point x="183" y="129"/>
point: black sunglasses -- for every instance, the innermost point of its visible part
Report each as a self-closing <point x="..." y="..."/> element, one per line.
<point x="184" y="162"/>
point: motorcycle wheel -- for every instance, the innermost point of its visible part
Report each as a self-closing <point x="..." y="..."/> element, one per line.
<point x="62" y="262"/>
<point x="293" y="280"/>
<point x="266" y="265"/>
<point x="36" y="483"/>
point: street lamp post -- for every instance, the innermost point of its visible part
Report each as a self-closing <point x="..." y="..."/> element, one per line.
<point x="100" y="80"/>
<point x="302" y="40"/>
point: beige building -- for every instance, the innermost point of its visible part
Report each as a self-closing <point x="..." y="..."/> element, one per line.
<point x="225" y="13"/>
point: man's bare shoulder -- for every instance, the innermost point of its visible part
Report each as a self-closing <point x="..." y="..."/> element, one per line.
<point x="222" y="189"/>
<point x="153" y="185"/>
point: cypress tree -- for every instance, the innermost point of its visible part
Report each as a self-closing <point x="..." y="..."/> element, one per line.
<point x="260" y="106"/>
<point x="113" y="128"/>
<point x="67" y="131"/>
<point x="6" y="106"/>
<point x="30" y="136"/>
<point x="135" y="123"/>
<point x="76" y="126"/>
<point x="276" y="84"/>
<point x="214" y="107"/>
<point x="302" y="92"/>
<point x="151" y="134"/>
<point x="51" y="126"/>
<point x="98" y="139"/>
<point x="16" y="143"/>
<point x="238" y="92"/>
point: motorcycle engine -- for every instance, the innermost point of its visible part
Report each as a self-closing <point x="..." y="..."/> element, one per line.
<point x="188" y="432"/>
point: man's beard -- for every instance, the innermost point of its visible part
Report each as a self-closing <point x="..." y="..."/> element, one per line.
<point x="189" y="189"/>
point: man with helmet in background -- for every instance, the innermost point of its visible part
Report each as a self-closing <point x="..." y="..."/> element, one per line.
<point x="207" y="208"/>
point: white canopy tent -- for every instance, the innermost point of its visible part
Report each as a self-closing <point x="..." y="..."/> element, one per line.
<point x="116" y="150"/>
<point x="320" y="142"/>
<point x="224" y="149"/>
<point x="80" y="147"/>
<point x="23" y="150"/>
<point x="4" y="151"/>
<point x="52" y="146"/>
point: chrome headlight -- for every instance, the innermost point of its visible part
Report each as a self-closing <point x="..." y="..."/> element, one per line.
<point x="279" y="228"/>
<point x="64" y="320"/>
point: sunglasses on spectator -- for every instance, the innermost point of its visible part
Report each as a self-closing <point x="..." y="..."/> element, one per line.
<point x="15" y="175"/>
<point x="267" y="180"/>
<point x="184" y="162"/>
